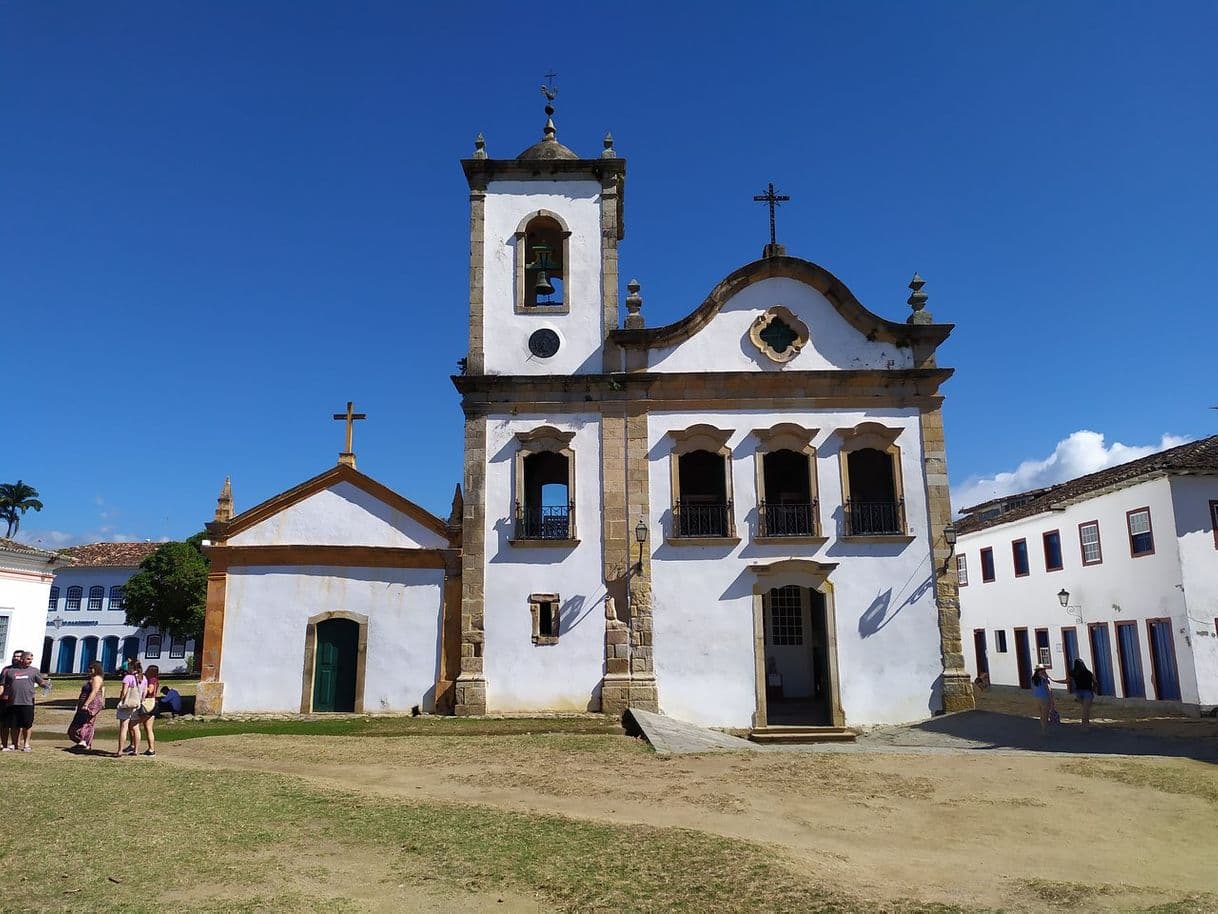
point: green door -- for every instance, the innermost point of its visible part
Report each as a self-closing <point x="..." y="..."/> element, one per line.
<point x="334" y="665"/>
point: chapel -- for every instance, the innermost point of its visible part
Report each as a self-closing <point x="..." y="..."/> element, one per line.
<point x="740" y="518"/>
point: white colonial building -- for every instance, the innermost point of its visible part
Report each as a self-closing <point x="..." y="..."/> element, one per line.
<point x="737" y="518"/>
<point x="1118" y="567"/>
<point x="25" y="582"/>
<point x="86" y="619"/>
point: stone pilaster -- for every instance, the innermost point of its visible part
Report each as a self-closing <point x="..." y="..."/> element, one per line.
<point x="957" y="685"/>
<point x="610" y="232"/>
<point x="643" y="691"/>
<point x="209" y="698"/>
<point x="470" y="690"/>
<point x="475" y="358"/>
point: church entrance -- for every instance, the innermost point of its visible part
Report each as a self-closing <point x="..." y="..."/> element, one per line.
<point x="798" y="681"/>
<point x="335" y="665"/>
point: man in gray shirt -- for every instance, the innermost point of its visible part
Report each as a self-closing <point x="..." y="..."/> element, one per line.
<point x="4" y="705"/>
<point x="17" y="685"/>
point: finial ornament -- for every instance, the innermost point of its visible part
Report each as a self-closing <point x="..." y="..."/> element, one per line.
<point x="479" y="146"/>
<point x="772" y="199"/>
<point x="917" y="301"/>
<point x="224" y="504"/>
<point x="634" y="304"/>
<point x="550" y="91"/>
<point x="347" y="457"/>
<point x="608" y="153"/>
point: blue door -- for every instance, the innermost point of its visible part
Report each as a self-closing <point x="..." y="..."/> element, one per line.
<point x="1163" y="660"/>
<point x="88" y="652"/>
<point x="109" y="654"/>
<point x="67" y="655"/>
<point x="1101" y="659"/>
<point x="1130" y="654"/>
<point x="1070" y="647"/>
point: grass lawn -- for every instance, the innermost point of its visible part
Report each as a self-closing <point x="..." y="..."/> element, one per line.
<point x="244" y="841"/>
<point x="385" y="727"/>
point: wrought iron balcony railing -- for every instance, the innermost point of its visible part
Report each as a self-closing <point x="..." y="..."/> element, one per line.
<point x="787" y="519"/>
<point x="544" y="522"/>
<point x="874" y="518"/>
<point x="699" y="519"/>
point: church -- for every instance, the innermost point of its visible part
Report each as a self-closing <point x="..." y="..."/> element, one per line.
<point x="740" y="519"/>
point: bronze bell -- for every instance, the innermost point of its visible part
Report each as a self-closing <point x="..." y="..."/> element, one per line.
<point x="543" y="286"/>
<point x="541" y="263"/>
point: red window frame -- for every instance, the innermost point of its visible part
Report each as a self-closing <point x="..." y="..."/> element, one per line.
<point x="993" y="572"/>
<point x="1027" y="562"/>
<point x="1150" y="530"/>
<point x="1061" y="557"/>
<point x="1099" y="543"/>
<point x="1214" y="521"/>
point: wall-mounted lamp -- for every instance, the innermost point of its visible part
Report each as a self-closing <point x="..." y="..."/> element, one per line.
<point x="640" y="536"/>
<point x="949" y="537"/>
<point x="1063" y="597"/>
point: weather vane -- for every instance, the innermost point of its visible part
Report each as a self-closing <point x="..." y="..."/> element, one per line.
<point x="549" y="90"/>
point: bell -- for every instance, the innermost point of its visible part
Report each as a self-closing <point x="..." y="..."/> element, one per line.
<point x="543" y="286"/>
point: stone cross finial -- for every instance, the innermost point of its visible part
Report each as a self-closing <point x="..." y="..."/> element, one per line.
<point x="347" y="457"/>
<point x="479" y="146"/>
<point x="608" y="152"/>
<point x="634" y="304"/>
<point x="224" y="504"/>
<point x="917" y="301"/>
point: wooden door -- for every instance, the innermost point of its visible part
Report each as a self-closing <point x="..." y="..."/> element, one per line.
<point x="983" y="660"/>
<point x="1023" y="658"/>
<point x="1101" y="658"/>
<point x="1129" y="653"/>
<point x="1070" y="649"/>
<point x="1164" y="675"/>
<point x="335" y="665"/>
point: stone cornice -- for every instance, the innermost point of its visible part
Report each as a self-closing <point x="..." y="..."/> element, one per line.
<point x="871" y="325"/>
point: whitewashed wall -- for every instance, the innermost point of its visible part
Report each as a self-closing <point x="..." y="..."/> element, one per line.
<point x="104" y="623"/>
<point x="342" y="515"/>
<point x="505" y="332"/>
<point x="724" y="345"/>
<point x="521" y="675"/>
<point x="1191" y="497"/>
<point x="887" y="622"/>
<point x="403" y="606"/>
<point x="24" y="590"/>
<point x="1119" y="589"/>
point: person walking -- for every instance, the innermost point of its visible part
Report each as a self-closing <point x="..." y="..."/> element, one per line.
<point x="1043" y="695"/>
<point x="148" y="707"/>
<point x="130" y="695"/>
<point x="88" y="706"/>
<point x="19" y="683"/>
<point x="1083" y="681"/>
<point x="5" y="716"/>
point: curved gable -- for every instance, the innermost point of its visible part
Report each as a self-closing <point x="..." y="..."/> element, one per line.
<point x="844" y="334"/>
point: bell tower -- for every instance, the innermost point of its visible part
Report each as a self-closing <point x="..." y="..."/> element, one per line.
<point x="543" y="272"/>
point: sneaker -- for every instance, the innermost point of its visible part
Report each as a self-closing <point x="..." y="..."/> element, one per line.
<point x="130" y="750"/>
<point x="27" y="748"/>
<point x="8" y="749"/>
<point x="149" y="752"/>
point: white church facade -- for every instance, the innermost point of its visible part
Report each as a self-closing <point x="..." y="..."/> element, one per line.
<point x="1118" y="568"/>
<point x="737" y="518"/>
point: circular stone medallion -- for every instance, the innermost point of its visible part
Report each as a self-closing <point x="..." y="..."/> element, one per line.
<point x="543" y="343"/>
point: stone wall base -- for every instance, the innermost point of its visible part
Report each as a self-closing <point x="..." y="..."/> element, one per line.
<point x="645" y="695"/>
<point x="615" y="695"/>
<point x="470" y="698"/>
<point x="209" y="699"/>
<point x="957" y="692"/>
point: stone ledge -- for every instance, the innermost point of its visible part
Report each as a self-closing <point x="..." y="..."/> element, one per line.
<point x="879" y="538"/>
<point x="702" y="540"/>
<point x="544" y="544"/>
<point x="794" y="540"/>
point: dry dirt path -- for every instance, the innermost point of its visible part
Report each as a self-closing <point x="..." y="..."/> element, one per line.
<point x="974" y="828"/>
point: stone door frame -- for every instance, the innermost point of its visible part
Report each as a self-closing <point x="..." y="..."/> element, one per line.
<point x="310" y="657"/>
<point x="801" y="573"/>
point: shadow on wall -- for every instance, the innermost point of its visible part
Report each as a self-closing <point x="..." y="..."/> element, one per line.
<point x="877" y="615"/>
<point x="934" y="703"/>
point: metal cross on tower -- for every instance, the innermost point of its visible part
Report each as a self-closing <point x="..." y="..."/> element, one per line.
<point x="773" y="199"/>
<point x="350" y="417"/>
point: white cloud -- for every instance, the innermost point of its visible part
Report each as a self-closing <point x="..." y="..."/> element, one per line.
<point x="1080" y="453"/>
<point x="59" y="539"/>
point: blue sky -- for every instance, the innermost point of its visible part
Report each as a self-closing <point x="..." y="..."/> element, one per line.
<point x="221" y="221"/>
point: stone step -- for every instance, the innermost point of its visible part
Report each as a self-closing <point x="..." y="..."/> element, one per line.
<point x="788" y="736"/>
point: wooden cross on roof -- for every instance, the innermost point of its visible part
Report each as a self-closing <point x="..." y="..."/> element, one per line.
<point x="350" y="417"/>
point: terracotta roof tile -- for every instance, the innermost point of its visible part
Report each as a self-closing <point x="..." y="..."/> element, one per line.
<point x="118" y="555"/>
<point x="1194" y="457"/>
<point x="22" y="548"/>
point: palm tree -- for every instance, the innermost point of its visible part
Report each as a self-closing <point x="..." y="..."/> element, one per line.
<point x="15" y="499"/>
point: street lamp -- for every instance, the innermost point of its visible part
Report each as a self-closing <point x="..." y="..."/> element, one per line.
<point x="1063" y="597"/>
<point x="640" y="536"/>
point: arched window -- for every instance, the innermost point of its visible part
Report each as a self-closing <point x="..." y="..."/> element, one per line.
<point x="73" y="603"/>
<point x="542" y="257"/>
<point x="53" y="600"/>
<point x="116" y="597"/>
<point x="545" y="486"/>
<point x="871" y="481"/>
<point x="702" y="485"/>
<point x="152" y="650"/>
<point x="786" y="483"/>
<point x="95" y="598"/>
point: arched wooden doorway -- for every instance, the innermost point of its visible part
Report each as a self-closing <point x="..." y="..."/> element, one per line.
<point x="335" y="651"/>
<point x="67" y="655"/>
<point x="109" y="654"/>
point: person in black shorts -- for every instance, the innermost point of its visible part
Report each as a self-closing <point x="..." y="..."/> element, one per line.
<point x="5" y="716"/>
<point x="18" y="685"/>
<point x="1083" y="681"/>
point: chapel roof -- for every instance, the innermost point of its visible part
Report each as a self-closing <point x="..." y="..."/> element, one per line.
<point x="16" y="548"/>
<point x="110" y="555"/>
<point x="1195" y="457"/>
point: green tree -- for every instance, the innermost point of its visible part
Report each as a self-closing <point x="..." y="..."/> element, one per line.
<point x="15" y="499"/>
<point x="169" y="592"/>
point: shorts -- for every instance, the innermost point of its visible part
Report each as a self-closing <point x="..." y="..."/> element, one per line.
<point x="20" y="717"/>
<point x="1085" y="695"/>
<point x="128" y="714"/>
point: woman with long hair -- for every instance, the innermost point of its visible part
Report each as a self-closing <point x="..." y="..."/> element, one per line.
<point x="88" y="706"/>
<point x="148" y="706"/>
<point x="1083" y="681"/>
<point x="129" y="698"/>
